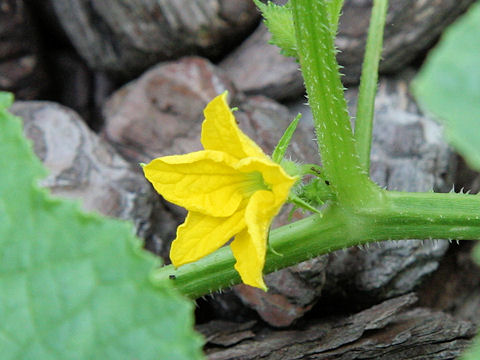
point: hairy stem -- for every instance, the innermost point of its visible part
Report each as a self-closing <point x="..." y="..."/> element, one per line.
<point x="368" y="83"/>
<point x="316" y="52"/>
<point x="399" y="216"/>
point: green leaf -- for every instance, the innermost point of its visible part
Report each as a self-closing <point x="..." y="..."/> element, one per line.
<point x="449" y="85"/>
<point x="474" y="352"/>
<point x="76" y="285"/>
<point x="279" y="21"/>
<point x="6" y="99"/>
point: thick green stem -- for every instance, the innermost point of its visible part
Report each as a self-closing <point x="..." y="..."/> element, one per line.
<point x="368" y="82"/>
<point x="316" y="52"/>
<point x="398" y="216"/>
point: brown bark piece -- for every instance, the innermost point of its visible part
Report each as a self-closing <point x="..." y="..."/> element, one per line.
<point x="455" y="287"/>
<point x="256" y="67"/>
<point x="291" y="292"/>
<point x="126" y="37"/>
<point x="82" y="166"/>
<point x="160" y="113"/>
<point x="386" y="331"/>
<point x="21" y="70"/>
<point x="411" y="27"/>
<point x="226" y="333"/>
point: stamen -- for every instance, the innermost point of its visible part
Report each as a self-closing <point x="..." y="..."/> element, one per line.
<point x="254" y="182"/>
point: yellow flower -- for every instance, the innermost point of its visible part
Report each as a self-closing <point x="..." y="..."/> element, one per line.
<point x="229" y="189"/>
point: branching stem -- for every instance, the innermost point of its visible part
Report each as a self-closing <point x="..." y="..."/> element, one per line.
<point x="360" y="212"/>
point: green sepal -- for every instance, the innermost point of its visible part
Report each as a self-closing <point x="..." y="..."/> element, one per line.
<point x="279" y="21"/>
<point x="300" y="203"/>
<point x="292" y="168"/>
<point x="316" y="192"/>
<point x="270" y="248"/>
<point x="279" y="151"/>
<point x="308" y="196"/>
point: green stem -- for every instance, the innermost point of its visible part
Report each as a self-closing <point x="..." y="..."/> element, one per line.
<point x="316" y="52"/>
<point x="368" y="83"/>
<point x="398" y="216"/>
<point x="334" y="8"/>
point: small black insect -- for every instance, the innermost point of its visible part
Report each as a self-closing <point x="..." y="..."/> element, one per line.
<point x="172" y="277"/>
<point x="315" y="170"/>
<point x="327" y="182"/>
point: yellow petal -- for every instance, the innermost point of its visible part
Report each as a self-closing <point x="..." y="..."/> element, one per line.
<point x="273" y="175"/>
<point x="249" y="247"/>
<point x="221" y="132"/>
<point x="202" y="181"/>
<point x="201" y="235"/>
<point x="248" y="267"/>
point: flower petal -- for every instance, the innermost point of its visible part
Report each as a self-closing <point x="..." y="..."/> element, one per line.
<point x="249" y="247"/>
<point x="201" y="235"/>
<point x="202" y="181"/>
<point x="221" y="132"/>
<point x="273" y="175"/>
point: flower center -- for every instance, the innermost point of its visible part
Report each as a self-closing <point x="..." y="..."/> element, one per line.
<point x="253" y="182"/>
